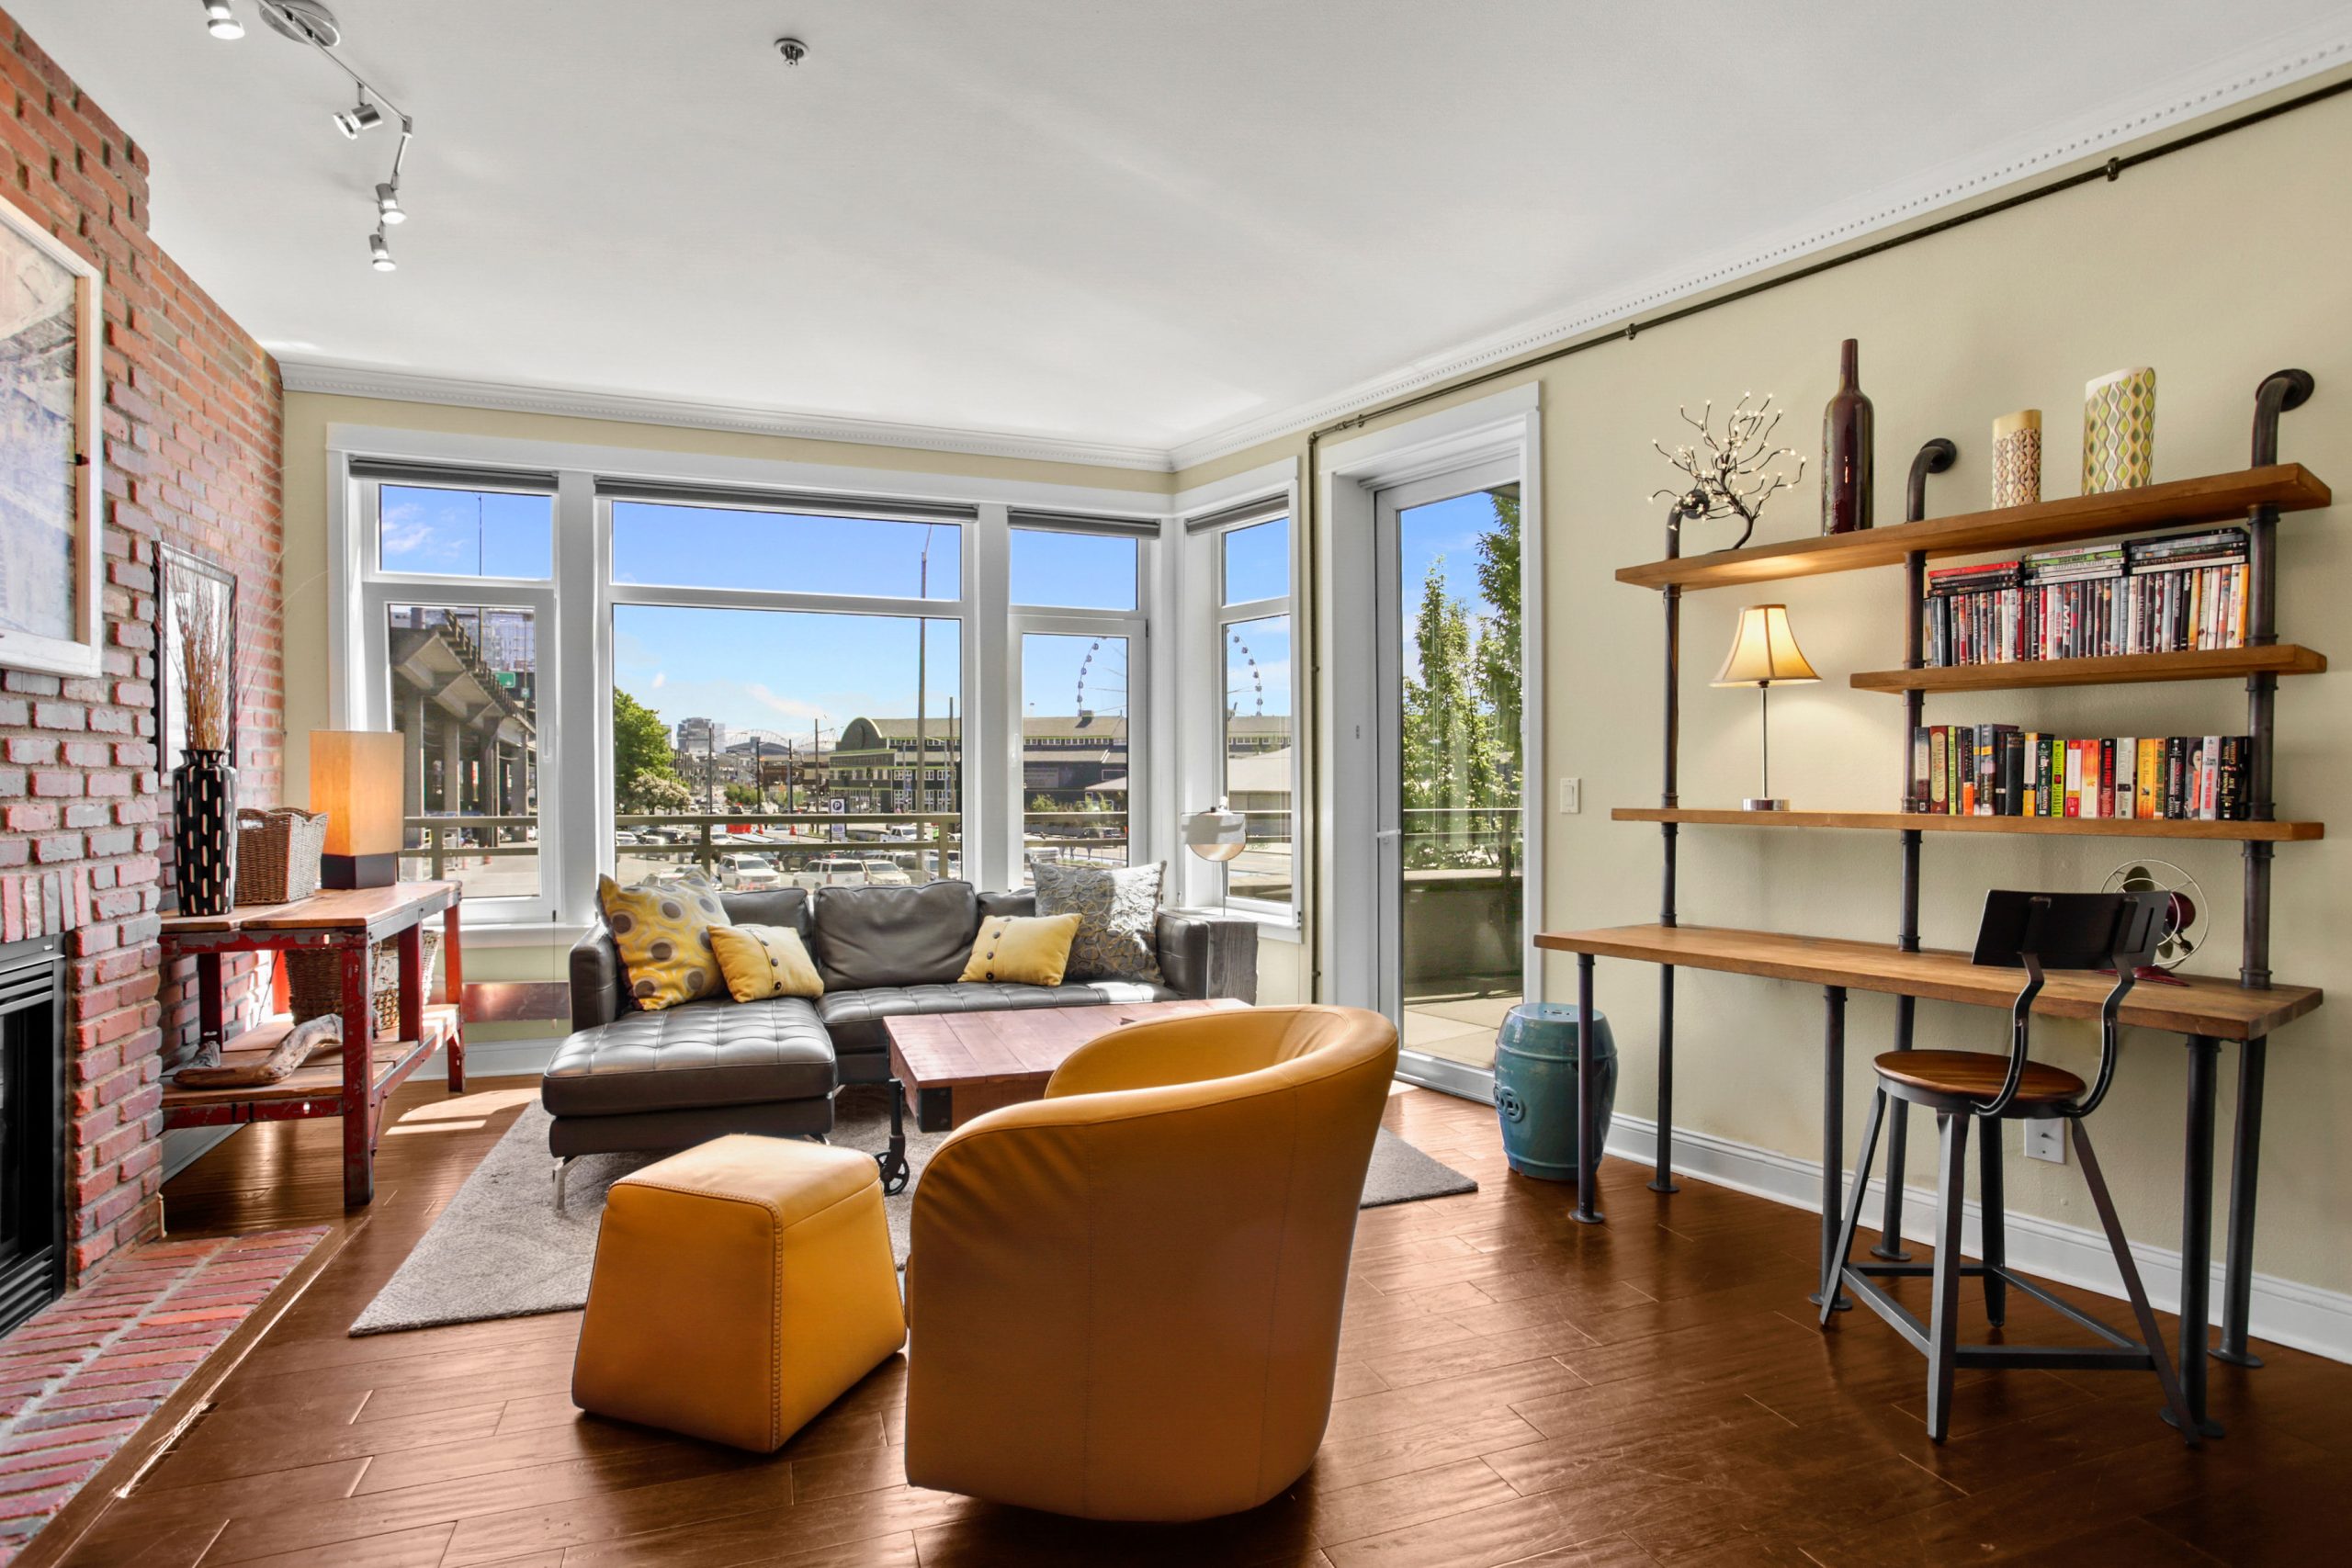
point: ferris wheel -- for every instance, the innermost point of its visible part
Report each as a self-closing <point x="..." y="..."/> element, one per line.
<point x="1102" y="681"/>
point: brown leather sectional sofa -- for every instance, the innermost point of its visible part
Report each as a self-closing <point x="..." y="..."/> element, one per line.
<point x="628" y="1080"/>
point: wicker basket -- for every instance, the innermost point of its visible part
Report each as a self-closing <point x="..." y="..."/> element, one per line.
<point x="314" y="980"/>
<point x="277" y="853"/>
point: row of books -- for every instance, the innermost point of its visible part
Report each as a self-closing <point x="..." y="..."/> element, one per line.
<point x="2163" y="593"/>
<point x="1999" y="770"/>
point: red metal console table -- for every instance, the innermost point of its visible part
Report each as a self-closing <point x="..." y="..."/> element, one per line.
<point x="355" y="1083"/>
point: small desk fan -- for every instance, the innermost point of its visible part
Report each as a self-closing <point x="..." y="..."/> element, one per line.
<point x="2184" y="919"/>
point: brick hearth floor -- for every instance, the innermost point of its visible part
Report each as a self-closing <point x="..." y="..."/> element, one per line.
<point x="78" y="1378"/>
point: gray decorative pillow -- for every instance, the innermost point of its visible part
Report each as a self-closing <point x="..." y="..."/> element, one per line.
<point x="1118" y="917"/>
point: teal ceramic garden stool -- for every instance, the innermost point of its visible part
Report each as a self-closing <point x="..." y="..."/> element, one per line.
<point x="1535" y="1087"/>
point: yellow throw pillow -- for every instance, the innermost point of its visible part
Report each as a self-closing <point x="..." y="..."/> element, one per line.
<point x="765" y="960"/>
<point x="663" y="934"/>
<point x="1019" y="950"/>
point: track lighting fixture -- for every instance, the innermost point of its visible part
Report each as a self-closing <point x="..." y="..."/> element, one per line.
<point x="310" y="22"/>
<point x="361" y="115"/>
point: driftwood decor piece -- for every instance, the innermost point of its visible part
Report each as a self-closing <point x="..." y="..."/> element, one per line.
<point x="305" y="1040"/>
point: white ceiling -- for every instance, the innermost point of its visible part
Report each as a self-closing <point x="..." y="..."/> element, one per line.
<point x="1165" y="225"/>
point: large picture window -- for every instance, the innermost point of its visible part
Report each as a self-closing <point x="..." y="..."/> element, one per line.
<point x="641" y="675"/>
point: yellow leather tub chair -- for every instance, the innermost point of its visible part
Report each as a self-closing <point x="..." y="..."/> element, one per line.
<point x="1125" y="1298"/>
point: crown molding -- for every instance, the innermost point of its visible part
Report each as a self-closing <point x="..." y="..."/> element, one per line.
<point x="2268" y="67"/>
<point x="410" y="387"/>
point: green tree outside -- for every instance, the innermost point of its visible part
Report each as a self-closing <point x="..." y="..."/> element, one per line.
<point x="645" y="776"/>
<point x="1461" y="766"/>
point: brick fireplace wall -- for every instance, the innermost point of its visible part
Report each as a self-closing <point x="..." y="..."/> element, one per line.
<point x="192" y="417"/>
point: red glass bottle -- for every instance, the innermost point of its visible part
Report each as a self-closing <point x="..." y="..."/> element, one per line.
<point x="1846" y="450"/>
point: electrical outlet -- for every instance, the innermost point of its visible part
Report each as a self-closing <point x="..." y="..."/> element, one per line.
<point x="1571" y="796"/>
<point x="2045" y="1138"/>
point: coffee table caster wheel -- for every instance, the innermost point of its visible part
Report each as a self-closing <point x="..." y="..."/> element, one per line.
<point x="896" y="1172"/>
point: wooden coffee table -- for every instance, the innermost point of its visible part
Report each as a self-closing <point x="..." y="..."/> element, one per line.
<point x="956" y="1066"/>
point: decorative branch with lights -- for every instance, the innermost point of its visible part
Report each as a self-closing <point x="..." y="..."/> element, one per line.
<point x="1731" y="475"/>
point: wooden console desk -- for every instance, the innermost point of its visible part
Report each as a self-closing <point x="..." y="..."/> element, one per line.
<point x="350" y="924"/>
<point x="2206" y="1010"/>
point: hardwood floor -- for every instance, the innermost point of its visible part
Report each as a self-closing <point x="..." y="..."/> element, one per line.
<point x="1514" y="1389"/>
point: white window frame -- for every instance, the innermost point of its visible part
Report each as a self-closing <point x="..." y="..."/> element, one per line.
<point x="1146" y="840"/>
<point x="614" y="596"/>
<point x="577" y="638"/>
<point x="1349" y="858"/>
<point x="1274" y="488"/>
<point x="379" y="589"/>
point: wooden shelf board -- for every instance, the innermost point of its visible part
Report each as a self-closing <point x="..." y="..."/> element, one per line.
<point x="321" y="1076"/>
<point x="2208" y="664"/>
<point x="1885" y="821"/>
<point x="2205" y="1005"/>
<point x="2213" y="498"/>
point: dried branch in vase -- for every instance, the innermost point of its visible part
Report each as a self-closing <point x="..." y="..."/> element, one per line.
<point x="207" y="685"/>
<point x="1731" y="474"/>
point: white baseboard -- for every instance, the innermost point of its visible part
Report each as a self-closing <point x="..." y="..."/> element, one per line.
<point x="2281" y="1311"/>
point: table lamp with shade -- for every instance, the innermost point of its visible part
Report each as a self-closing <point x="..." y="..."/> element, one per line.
<point x="1764" y="654"/>
<point x="355" y="780"/>
<point x="1217" y="835"/>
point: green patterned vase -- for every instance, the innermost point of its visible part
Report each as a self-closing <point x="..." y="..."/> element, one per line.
<point x="2120" y="431"/>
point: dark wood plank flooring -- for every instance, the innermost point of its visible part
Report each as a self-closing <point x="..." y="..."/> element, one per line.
<point x="1514" y="1389"/>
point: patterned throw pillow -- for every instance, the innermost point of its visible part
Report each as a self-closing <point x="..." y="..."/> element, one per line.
<point x="663" y="934"/>
<point x="1015" y="950"/>
<point x="765" y="960"/>
<point x="1118" y="914"/>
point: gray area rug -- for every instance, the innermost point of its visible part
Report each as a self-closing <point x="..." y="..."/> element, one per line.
<point x="501" y="1250"/>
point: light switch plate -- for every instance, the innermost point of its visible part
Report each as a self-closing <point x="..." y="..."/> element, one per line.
<point x="2045" y="1138"/>
<point x="1571" y="796"/>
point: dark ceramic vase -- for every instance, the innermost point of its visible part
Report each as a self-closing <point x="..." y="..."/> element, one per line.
<point x="1846" y="450"/>
<point x="204" y="833"/>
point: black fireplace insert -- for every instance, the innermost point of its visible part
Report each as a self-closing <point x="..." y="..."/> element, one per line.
<point x="32" y="1128"/>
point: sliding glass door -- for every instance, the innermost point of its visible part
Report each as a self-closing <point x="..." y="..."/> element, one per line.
<point x="1451" y="836"/>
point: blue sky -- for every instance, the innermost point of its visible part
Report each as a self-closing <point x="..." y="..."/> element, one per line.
<point x="782" y="671"/>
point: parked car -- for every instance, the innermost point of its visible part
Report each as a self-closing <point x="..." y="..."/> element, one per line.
<point x="834" y="871"/>
<point x="748" y="874"/>
<point x="623" y="839"/>
<point x="881" y="871"/>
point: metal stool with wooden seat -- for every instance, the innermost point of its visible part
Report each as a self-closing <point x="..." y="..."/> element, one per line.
<point x="2033" y="932"/>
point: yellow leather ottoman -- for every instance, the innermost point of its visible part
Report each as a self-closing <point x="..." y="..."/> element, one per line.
<point x="739" y="1288"/>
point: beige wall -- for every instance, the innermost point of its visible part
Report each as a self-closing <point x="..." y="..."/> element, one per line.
<point x="2216" y="265"/>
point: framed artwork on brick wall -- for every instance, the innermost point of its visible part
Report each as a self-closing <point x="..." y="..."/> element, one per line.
<point x="49" y="487"/>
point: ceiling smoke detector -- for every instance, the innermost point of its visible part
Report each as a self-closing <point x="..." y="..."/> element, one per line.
<point x="304" y="21"/>
<point x="793" y="51"/>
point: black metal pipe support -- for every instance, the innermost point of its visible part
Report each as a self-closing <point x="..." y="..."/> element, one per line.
<point x="1833" y="1140"/>
<point x="2196" y="1230"/>
<point x="2237" y="1272"/>
<point x="1588" y="1097"/>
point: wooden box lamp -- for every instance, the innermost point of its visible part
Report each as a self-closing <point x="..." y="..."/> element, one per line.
<point x="1764" y="654"/>
<point x="355" y="780"/>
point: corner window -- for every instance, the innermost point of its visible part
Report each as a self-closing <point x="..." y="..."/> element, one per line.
<point x="1245" y="556"/>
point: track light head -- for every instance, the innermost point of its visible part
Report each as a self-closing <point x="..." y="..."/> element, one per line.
<point x="221" y="21"/>
<point x="380" y="252"/>
<point x="387" y="204"/>
<point x="361" y="115"/>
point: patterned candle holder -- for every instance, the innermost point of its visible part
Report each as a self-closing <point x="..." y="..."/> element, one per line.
<point x="2120" y="431"/>
<point x="2017" y="458"/>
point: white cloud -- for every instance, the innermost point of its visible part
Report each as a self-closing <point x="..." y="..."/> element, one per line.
<point x="661" y="679"/>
